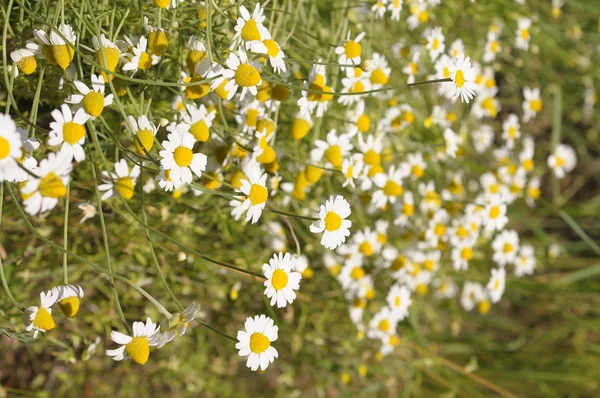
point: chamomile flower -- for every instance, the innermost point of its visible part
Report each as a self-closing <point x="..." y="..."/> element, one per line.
<point x="166" y="3"/>
<point x="379" y="8"/>
<point x="137" y="347"/>
<point x="11" y="149"/>
<point x="255" y="342"/>
<point x="276" y="55"/>
<point x="406" y="209"/>
<point x="350" y="51"/>
<point x="333" y="222"/>
<point x="492" y="47"/>
<point x="471" y="294"/>
<point x="389" y="186"/>
<point x="69" y="299"/>
<point x="144" y="131"/>
<point x="355" y="83"/>
<point x="197" y="121"/>
<point x="523" y="34"/>
<point x="122" y="180"/>
<point x="525" y="261"/>
<point x="333" y="150"/>
<point x="89" y="211"/>
<point x="255" y="191"/>
<point x="483" y="138"/>
<point x="495" y="286"/>
<point x="319" y="99"/>
<point x="511" y="130"/>
<point x="532" y="103"/>
<point x="250" y="28"/>
<point x="281" y="279"/>
<point x="463" y="76"/>
<point x="158" y="40"/>
<point x="243" y="73"/>
<point x="435" y="43"/>
<point x="177" y="324"/>
<point x="418" y="15"/>
<point x="412" y="69"/>
<point x="57" y="50"/>
<point x="41" y="193"/>
<point x="351" y="169"/>
<point x="141" y="59"/>
<point x="562" y="160"/>
<point x="462" y="253"/>
<point x="451" y="140"/>
<point x="39" y="319"/>
<point x="69" y="130"/>
<point x="506" y="246"/>
<point x="93" y="100"/>
<point x="179" y="158"/>
<point x="398" y="299"/>
<point x="25" y="59"/>
<point x="395" y="6"/>
<point x="494" y="214"/>
<point x="382" y="325"/>
<point x="106" y="49"/>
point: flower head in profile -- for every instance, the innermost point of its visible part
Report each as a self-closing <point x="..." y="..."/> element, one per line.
<point x="41" y="193"/>
<point x="255" y="342"/>
<point x="137" y="347"/>
<point x="333" y="222"/>
<point x="254" y="187"/>
<point x="140" y="59"/>
<point x="122" y="180"/>
<point x="57" y="48"/>
<point x="39" y="319"/>
<point x="69" y="299"/>
<point x="463" y="77"/>
<point x="144" y="131"/>
<point x="10" y="149"/>
<point x="178" y="324"/>
<point x="25" y="59"/>
<point x="281" y="279"/>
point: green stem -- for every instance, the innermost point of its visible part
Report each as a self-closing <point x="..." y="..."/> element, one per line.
<point x="65" y="235"/>
<point x="4" y="283"/>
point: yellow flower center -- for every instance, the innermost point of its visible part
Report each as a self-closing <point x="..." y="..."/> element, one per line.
<point x="73" y="132"/>
<point x="279" y="280"/>
<point x="332" y="221"/>
<point x="4" y="148"/>
<point x="220" y="91"/>
<point x="357" y="273"/>
<point x="423" y="17"/>
<point x="422" y="289"/>
<point x="27" y="65"/>
<point x="162" y="3"/>
<point x="508" y="248"/>
<point x="392" y="188"/>
<point x="494" y="212"/>
<point x="429" y="265"/>
<point x="439" y="229"/>
<point x="43" y="320"/>
<point x="112" y="60"/>
<point x="300" y="128"/>
<point x="414" y="68"/>
<point x="484" y="307"/>
<point x="408" y="209"/>
<point x="466" y="253"/>
<point x="146" y="137"/>
<point x="358" y="87"/>
<point x="384" y="325"/>
<point x="379" y="77"/>
<point x="259" y="343"/>
<point x="268" y="155"/>
<point x="272" y="47"/>
<point x="198" y="90"/>
<point x="258" y="194"/>
<point x="183" y="156"/>
<point x="138" y="349"/>
<point x="158" y="41"/>
<point x="462" y="232"/>
<point x="512" y="132"/>
<point x="559" y="161"/>
<point x="250" y="31"/>
<point x="93" y="103"/>
<point x="145" y="61"/>
<point x="459" y="79"/>
<point x="69" y="306"/>
<point x="535" y="105"/>
<point x="313" y="174"/>
<point x="371" y="158"/>
<point x="352" y="49"/>
<point x="417" y="171"/>
<point x="436" y="44"/>
<point x="397" y="301"/>
<point x="63" y="55"/>
<point x="366" y="248"/>
<point x="363" y="123"/>
<point x="192" y="58"/>
<point x="125" y="187"/>
<point x="525" y="34"/>
<point x="333" y="154"/>
<point x="494" y="46"/>
<point x="51" y="186"/>
<point x="247" y="75"/>
<point x="200" y="131"/>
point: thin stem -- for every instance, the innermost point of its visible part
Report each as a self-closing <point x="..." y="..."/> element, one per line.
<point x="65" y="235"/>
<point x="4" y="283"/>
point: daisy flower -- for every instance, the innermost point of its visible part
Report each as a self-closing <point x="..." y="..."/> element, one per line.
<point x="395" y="6"/>
<point x="333" y="151"/>
<point x="39" y="319"/>
<point x="144" y="131"/>
<point x="382" y="325"/>
<point x="354" y="83"/>
<point x="141" y="59"/>
<point x="532" y="103"/>
<point x="416" y="165"/>
<point x="523" y="34"/>
<point x="506" y="246"/>
<point x="511" y="130"/>
<point x="406" y="210"/>
<point x="178" y="324"/>
<point x="350" y="51"/>
<point x="380" y="75"/>
<point x="166" y="3"/>
<point x="158" y="40"/>
<point x="435" y="43"/>
<point x="301" y="125"/>
<point x="361" y="122"/>
<point x="121" y="180"/>
<point x="69" y="299"/>
<point x="255" y="342"/>
<point x="255" y="191"/>
<point x="471" y="294"/>
<point x="179" y="158"/>
<point x="25" y="59"/>
<point x="106" y="49"/>
<point x="398" y="299"/>
<point x="492" y="47"/>
<point x="351" y="169"/>
<point x="93" y="100"/>
<point x="250" y="27"/>
<point x="10" y="149"/>
<point x="562" y="160"/>
<point x="281" y="279"/>
<point x="69" y="130"/>
<point x="379" y="8"/>
<point x="462" y="253"/>
<point x="317" y="80"/>
<point x="495" y="286"/>
<point x="525" y="262"/>
<point x="483" y="138"/>
<point x="42" y="193"/>
<point x="241" y="73"/>
<point x="197" y="121"/>
<point x="390" y="186"/>
<point x="276" y="55"/>
<point x="137" y="347"/>
<point x="418" y="15"/>
<point x="332" y="222"/>
<point x="463" y="76"/>
<point x="413" y="67"/>
<point x="55" y="49"/>
<point x="196" y="53"/>
<point x="451" y="142"/>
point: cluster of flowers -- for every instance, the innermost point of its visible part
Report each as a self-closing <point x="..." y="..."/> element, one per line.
<point x="424" y="219"/>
